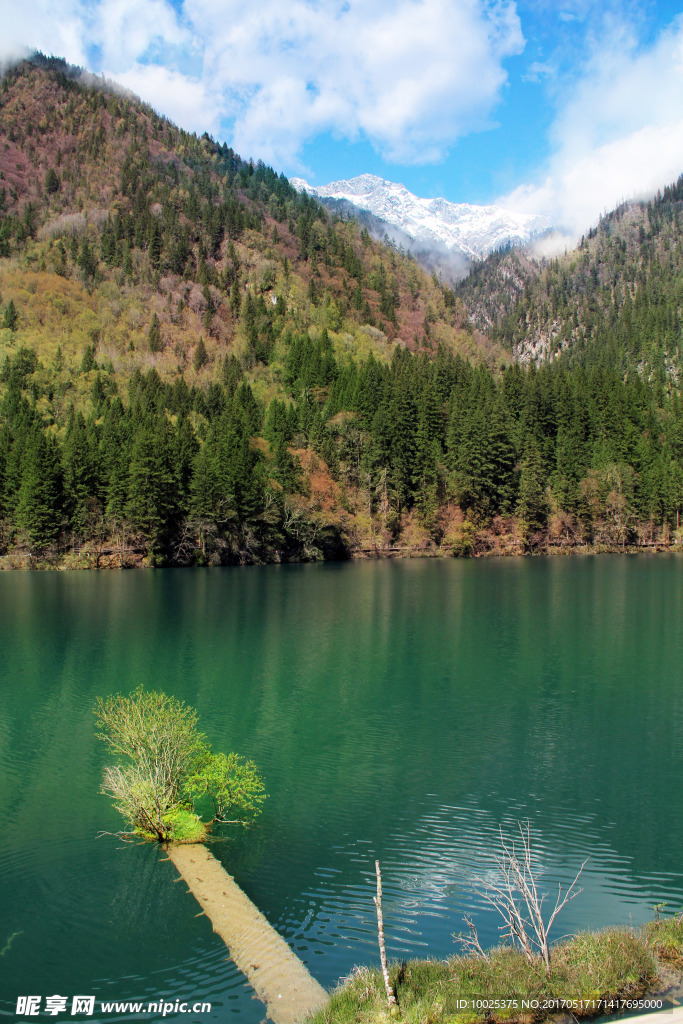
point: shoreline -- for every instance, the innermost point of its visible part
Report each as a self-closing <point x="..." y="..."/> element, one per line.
<point x="86" y="561"/>
<point x="600" y="976"/>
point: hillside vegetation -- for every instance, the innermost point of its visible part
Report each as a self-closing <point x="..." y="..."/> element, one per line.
<point x="200" y="365"/>
<point x="616" y="301"/>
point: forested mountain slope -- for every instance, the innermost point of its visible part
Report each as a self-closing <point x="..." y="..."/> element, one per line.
<point x="616" y="301"/>
<point x="201" y="365"/>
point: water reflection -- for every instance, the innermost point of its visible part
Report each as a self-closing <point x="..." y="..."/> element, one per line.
<point x="401" y="711"/>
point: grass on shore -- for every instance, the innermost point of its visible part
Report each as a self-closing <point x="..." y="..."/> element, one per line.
<point x="665" y="937"/>
<point x="614" y="963"/>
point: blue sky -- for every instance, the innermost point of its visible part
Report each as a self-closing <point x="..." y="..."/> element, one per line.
<point x="560" y="107"/>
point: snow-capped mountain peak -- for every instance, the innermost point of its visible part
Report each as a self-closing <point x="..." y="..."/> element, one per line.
<point x="463" y="228"/>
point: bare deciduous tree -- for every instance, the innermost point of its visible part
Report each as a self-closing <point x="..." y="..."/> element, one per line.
<point x="517" y="900"/>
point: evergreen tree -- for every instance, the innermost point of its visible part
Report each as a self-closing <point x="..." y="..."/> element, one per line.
<point x="87" y="260"/>
<point x="52" y="182"/>
<point x="80" y="475"/>
<point x="152" y="484"/>
<point x="201" y="356"/>
<point x="38" y="511"/>
<point x="10" y="317"/>
<point x="207" y="500"/>
<point x="154" y="334"/>
<point x="88" y="359"/>
<point x="532" y="505"/>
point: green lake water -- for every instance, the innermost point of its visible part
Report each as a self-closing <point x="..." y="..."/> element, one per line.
<point x="398" y="710"/>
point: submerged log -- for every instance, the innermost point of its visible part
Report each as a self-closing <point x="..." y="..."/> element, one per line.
<point x="273" y="970"/>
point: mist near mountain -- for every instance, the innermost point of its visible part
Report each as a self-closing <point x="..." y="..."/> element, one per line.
<point x="444" y="236"/>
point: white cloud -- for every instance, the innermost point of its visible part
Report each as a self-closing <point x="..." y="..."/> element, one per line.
<point x="42" y="25"/>
<point x="619" y="135"/>
<point x="537" y="70"/>
<point x="182" y="99"/>
<point x="122" y="32"/>
<point x="127" y="30"/>
<point x="411" y="76"/>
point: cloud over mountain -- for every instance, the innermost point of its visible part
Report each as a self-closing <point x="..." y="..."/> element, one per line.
<point x="618" y="133"/>
<point x="410" y="76"/>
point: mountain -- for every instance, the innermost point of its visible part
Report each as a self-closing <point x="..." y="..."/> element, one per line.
<point x="458" y="234"/>
<point x="200" y="365"/>
<point x="615" y="300"/>
<point x="84" y="162"/>
<point x="158" y="292"/>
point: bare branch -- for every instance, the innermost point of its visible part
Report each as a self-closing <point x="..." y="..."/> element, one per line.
<point x="470" y="943"/>
<point x="516" y="898"/>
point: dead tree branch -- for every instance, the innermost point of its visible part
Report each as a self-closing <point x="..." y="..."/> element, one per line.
<point x="391" y="998"/>
<point x="515" y="897"/>
<point x="470" y="942"/>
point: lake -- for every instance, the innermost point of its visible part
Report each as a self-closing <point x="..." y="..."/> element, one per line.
<point x="398" y="710"/>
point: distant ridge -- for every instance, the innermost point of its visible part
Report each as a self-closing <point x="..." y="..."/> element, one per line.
<point x="463" y="230"/>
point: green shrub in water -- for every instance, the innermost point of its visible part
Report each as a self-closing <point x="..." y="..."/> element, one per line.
<point x="186" y="826"/>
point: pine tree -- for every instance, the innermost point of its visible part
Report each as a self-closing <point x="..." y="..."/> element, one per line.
<point x="201" y="356"/>
<point x="155" y="245"/>
<point x="127" y="263"/>
<point x="87" y="260"/>
<point x="38" y="512"/>
<point x="52" y="182"/>
<point x="532" y="505"/>
<point x="474" y="467"/>
<point x="10" y="317"/>
<point x="154" y="334"/>
<point x="152" y="484"/>
<point x="285" y="470"/>
<point x="427" y="455"/>
<point x="235" y="299"/>
<point x="401" y="421"/>
<point x="80" y="474"/>
<point x="206" y="499"/>
<point x="88" y="359"/>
